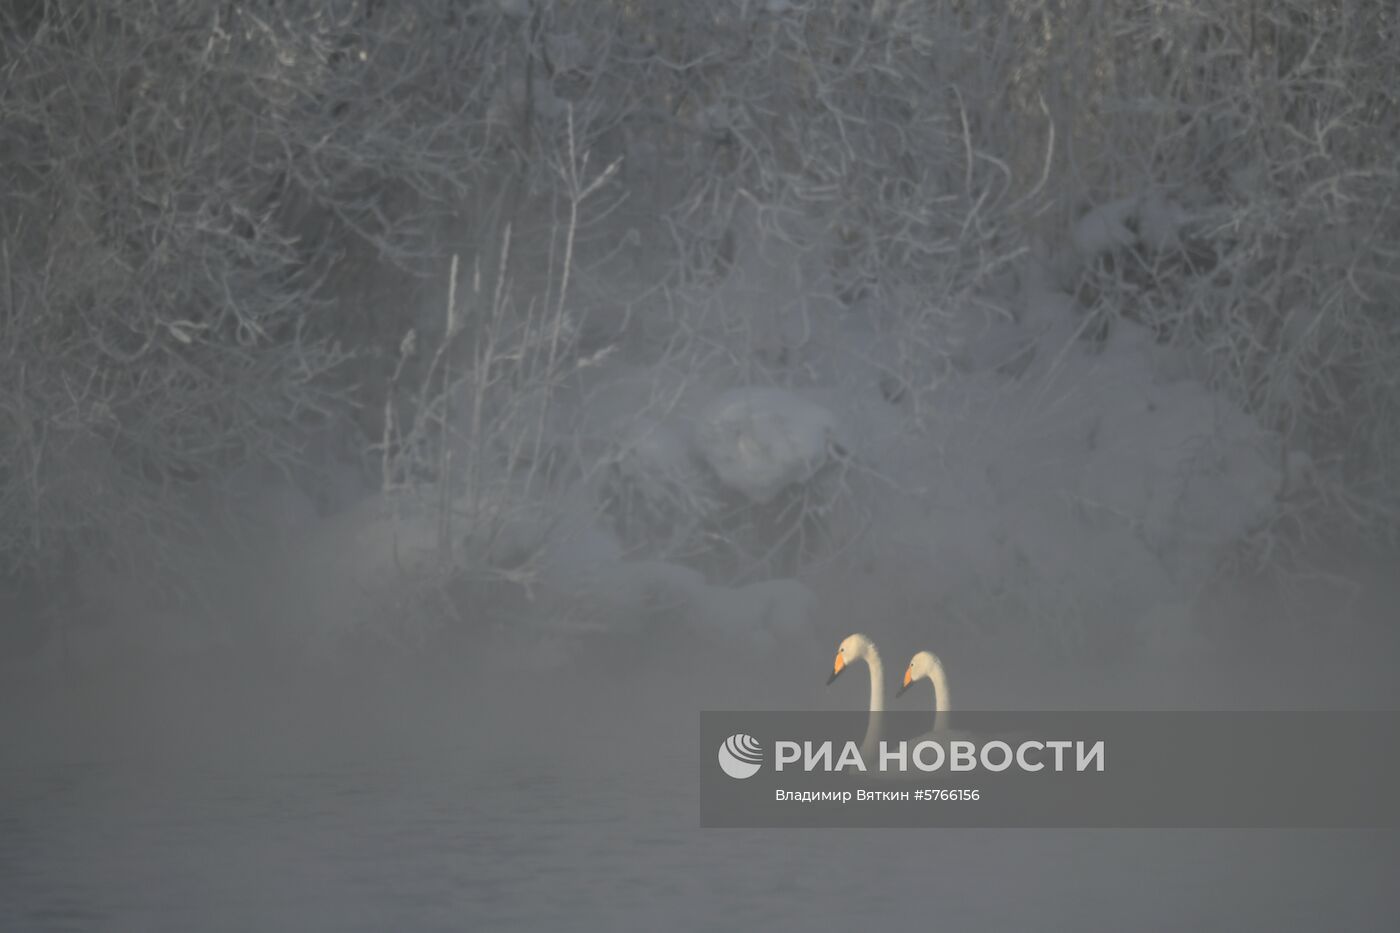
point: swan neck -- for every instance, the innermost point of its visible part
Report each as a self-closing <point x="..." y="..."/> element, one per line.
<point x="942" y="702"/>
<point x="877" y="680"/>
<point x="877" y="703"/>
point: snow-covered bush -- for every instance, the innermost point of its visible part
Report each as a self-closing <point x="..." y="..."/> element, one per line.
<point x="198" y="172"/>
<point x="743" y="481"/>
<point x="760" y="442"/>
<point x="1240" y="163"/>
<point x="655" y="494"/>
<point x="781" y="469"/>
<point x="632" y="209"/>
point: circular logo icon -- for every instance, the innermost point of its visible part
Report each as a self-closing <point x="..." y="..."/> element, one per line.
<point x="740" y="756"/>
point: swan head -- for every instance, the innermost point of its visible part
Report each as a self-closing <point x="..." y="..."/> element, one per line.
<point x="924" y="664"/>
<point x="855" y="647"/>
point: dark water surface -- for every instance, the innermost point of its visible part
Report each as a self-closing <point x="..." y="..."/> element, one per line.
<point x="540" y="800"/>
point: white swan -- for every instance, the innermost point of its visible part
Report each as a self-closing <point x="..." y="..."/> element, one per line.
<point x="854" y="648"/>
<point x="926" y="665"/>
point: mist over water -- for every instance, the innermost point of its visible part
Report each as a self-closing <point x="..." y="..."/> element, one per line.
<point x="491" y="790"/>
<point x="412" y="418"/>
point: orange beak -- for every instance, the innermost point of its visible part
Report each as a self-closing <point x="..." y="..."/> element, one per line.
<point x="908" y="679"/>
<point x="838" y="667"/>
